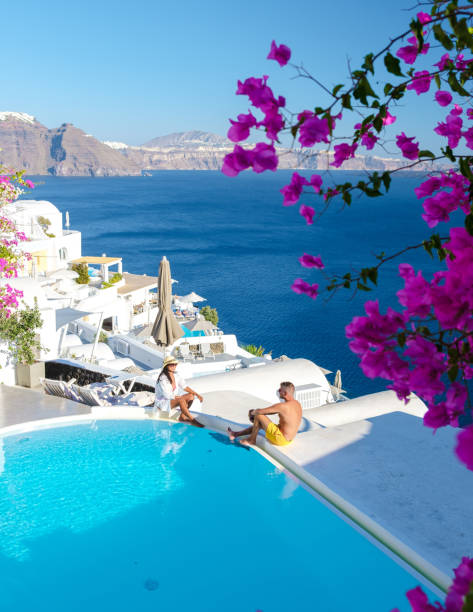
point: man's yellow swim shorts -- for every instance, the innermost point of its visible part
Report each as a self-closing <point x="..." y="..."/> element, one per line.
<point x="275" y="436"/>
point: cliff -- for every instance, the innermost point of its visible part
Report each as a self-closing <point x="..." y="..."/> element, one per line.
<point x="64" y="151"/>
<point x="68" y="151"/>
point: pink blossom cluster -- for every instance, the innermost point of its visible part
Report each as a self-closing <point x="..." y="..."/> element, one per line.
<point x="9" y="299"/>
<point x="368" y="138"/>
<point x="420" y="365"/>
<point x="410" y="52"/>
<point x="262" y="157"/>
<point x="409" y="148"/>
<point x="456" y="593"/>
<point x="451" y="193"/>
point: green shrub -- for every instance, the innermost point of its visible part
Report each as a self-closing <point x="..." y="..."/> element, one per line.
<point x="19" y="330"/>
<point x="209" y="314"/>
<point x="254" y="350"/>
<point x="83" y="272"/>
<point x="103" y="337"/>
<point x="112" y="280"/>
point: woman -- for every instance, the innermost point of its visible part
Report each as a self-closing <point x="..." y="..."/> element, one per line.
<point x="171" y="392"/>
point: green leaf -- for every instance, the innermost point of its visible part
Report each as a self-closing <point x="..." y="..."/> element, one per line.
<point x="294" y="130"/>
<point x="373" y="275"/>
<point x="378" y="123"/>
<point x="388" y="88"/>
<point x="386" y="178"/>
<point x="362" y="287"/>
<point x="465" y="169"/>
<point x="452" y="373"/>
<point x="442" y="37"/>
<point x="401" y="339"/>
<point x="346" y="101"/>
<point x="447" y="151"/>
<point x="455" y="85"/>
<point x="363" y="90"/>
<point x="368" y="63"/>
<point x="438" y="81"/>
<point x="347" y="197"/>
<point x="336" y="89"/>
<point x="393" y="64"/>
<point x="469" y="224"/>
<point x="426" y="153"/>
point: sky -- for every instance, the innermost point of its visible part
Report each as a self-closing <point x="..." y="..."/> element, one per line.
<point x="132" y="71"/>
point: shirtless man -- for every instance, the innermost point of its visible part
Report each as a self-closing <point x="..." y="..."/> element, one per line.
<point x="290" y="415"/>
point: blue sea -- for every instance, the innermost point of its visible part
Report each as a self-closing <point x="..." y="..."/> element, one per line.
<point x="233" y="242"/>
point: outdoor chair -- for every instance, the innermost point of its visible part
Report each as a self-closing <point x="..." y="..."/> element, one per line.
<point x="59" y="388"/>
<point x="101" y="394"/>
<point x="206" y="351"/>
<point x="185" y="351"/>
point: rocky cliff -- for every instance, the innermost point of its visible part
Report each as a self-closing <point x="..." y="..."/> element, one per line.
<point x="64" y="151"/>
<point x="68" y="151"/>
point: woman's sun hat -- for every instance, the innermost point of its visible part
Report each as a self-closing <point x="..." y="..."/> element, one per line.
<point x="169" y="361"/>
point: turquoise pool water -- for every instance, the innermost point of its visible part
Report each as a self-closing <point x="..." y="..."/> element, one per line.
<point x="150" y="516"/>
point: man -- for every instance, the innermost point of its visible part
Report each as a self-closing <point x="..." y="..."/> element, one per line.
<point x="290" y="415"/>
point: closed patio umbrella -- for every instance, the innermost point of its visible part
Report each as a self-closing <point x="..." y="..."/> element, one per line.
<point x="166" y="330"/>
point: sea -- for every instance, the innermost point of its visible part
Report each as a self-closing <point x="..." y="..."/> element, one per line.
<point x="233" y="242"/>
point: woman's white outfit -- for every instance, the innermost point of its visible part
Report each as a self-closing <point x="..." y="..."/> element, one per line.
<point x="165" y="393"/>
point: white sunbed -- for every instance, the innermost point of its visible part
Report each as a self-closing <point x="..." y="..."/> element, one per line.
<point x="59" y="388"/>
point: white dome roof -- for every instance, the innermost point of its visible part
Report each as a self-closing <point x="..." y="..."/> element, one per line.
<point x="37" y="207"/>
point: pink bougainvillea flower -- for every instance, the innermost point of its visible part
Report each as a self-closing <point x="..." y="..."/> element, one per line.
<point x="293" y="191"/>
<point x="308" y="213"/>
<point x="468" y="134"/>
<point x="461" y="63"/>
<point x="443" y="98"/>
<point x="264" y="158"/>
<point x="424" y="18"/>
<point x="273" y="123"/>
<point x="316" y="182"/>
<point x="300" y="286"/>
<point x="313" y="130"/>
<point x="236" y="162"/>
<point x="389" y="119"/>
<point x="415" y="296"/>
<point x="464" y="448"/>
<point x="29" y="184"/>
<point x="240" y="129"/>
<point x="311" y="261"/>
<point x="260" y="95"/>
<point x="451" y="128"/>
<point x="444" y="62"/>
<point x="281" y="54"/>
<point x="343" y="152"/>
<point x="409" y="148"/>
<point x="469" y="113"/>
<point x="410" y="52"/>
<point x="368" y="139"/>
<point x="421" y="82"/>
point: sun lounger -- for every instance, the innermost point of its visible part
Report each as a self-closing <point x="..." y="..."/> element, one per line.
<point x="60" y="388"/>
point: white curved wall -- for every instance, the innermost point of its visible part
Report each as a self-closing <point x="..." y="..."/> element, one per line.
<point x="263" y="381"/>
<point x="364" y="407"/>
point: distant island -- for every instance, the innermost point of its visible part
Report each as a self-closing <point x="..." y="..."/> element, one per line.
<point x="26" y="143"/>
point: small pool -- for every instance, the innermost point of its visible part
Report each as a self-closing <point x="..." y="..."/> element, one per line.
<point x="151" y="516"/>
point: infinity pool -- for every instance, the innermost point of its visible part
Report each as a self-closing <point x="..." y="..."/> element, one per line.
<point x="149" y="516"/>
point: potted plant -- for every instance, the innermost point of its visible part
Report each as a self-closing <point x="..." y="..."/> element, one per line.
<point x="19" y="330"/>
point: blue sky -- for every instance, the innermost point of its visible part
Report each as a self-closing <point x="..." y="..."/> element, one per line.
<point x="130" y="72"/>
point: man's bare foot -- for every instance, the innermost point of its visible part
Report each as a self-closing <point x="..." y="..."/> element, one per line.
<point x="183" y="419"/>
<point x="196" y="423"/>
<point x="246" y="442"/>
<point x="231" y="434"/>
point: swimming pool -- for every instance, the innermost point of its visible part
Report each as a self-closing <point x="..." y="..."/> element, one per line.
<point x="146" y="515"/>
